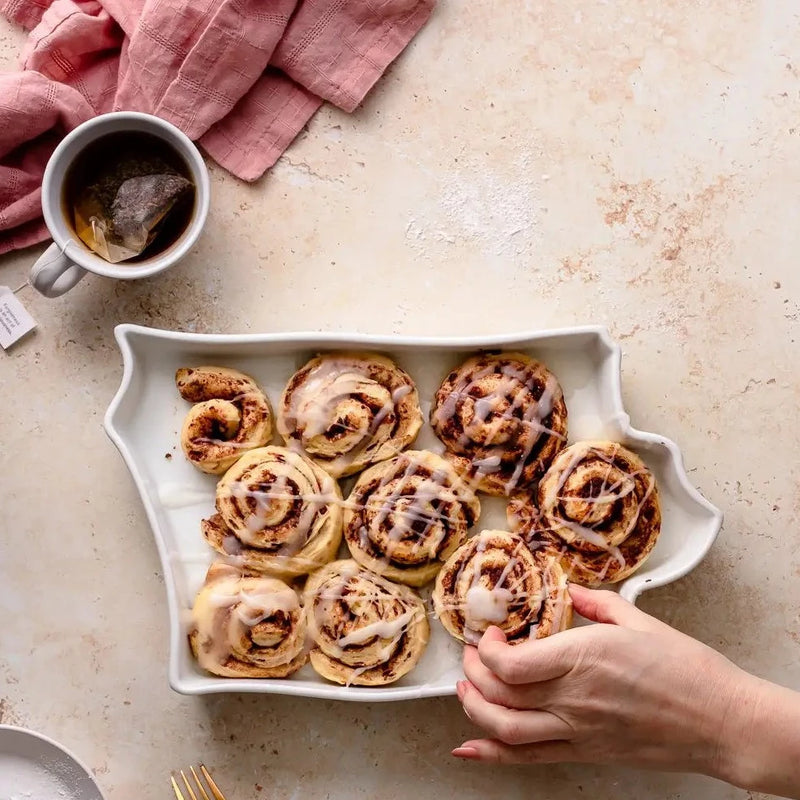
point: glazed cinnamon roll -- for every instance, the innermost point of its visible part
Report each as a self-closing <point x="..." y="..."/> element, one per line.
<point x="277" y="513"/>
<point x="246" y="626"/>
<point x="494" y="579"/>
<point x="230" y="416"/>
<point x="598" y="507"/>
<point x="349" y="410"/>
<point x="366" y="630"/>
<point x="407" y="515"/>
<point x="503" y="419"/>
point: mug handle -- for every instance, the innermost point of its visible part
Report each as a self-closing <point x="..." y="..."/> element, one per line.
<point x="53" y="274"/>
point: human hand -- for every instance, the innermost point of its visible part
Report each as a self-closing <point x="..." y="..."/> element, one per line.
<point x="629" y="689"/>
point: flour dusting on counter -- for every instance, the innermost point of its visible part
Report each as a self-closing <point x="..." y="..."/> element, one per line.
<point x="493" y="212"/>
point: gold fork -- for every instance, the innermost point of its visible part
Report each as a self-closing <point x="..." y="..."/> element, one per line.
<point x="213" y="788"/>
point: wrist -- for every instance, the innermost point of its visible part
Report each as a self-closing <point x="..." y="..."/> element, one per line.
<point x="759" y="743"/>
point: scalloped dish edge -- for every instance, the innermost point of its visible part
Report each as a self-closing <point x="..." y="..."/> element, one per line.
<point x="630" y="588"/>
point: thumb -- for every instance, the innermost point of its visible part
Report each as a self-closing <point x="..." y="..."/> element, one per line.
<point x="601" y="605"/>
<point x="494" y="634"/>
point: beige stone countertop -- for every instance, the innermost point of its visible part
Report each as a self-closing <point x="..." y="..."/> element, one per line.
<point x="523" y="165"/>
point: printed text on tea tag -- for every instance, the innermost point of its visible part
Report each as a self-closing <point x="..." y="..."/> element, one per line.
<point x="15" y="321"/>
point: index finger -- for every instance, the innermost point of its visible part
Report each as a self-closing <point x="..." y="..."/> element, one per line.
<point x="530" y="662"/>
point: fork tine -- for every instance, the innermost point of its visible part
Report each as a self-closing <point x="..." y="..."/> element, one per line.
<point x="176" y="788"/>
<point x="199" y="785"/>
<point x="188" y="786"/>
<point x="214" y="788"/>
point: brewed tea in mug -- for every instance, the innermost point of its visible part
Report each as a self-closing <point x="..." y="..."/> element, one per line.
<point x="128" y="196"/>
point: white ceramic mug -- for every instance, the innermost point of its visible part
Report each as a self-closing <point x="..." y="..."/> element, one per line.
<point x="68" y="259"/>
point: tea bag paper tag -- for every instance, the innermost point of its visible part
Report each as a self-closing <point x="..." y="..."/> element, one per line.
<point x="15" y="321"/>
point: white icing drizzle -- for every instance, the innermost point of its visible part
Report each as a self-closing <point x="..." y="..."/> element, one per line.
<point x="601" y="576"/>
<point x="513" y="384"/>
<point x="487" y="465"/>
<point x="534" y="417"/>
<point x="483" y="605"/>
<point x="247" y="609"/>
<point x="386" y="631"/>
<point x="408" y="503"/>
<point x="382" y="629"/>
<point x="405" y="519"/>
<point x="265" y="603"/>
<point x="178" y="495"/>
<point x="312" y="503"/>
<point x="330" y="593"/>
<point x="400" y="392"/>
<point x="609" y="493"/>
<point x="595" y="538"/>
<point x="315" y="418"/>
<point x="472" y="636"/>
<point x="227" y="442"/>
<point x="334" y="381"/>
<point x="553" y="492"/>
<point x="487" y="605"/>
<point x="512" y="562"/>
<point x="355" y="673"/>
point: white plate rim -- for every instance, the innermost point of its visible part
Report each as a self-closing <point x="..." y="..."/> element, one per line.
<point x="27" y="732"/>
<point x="630" y="589"/>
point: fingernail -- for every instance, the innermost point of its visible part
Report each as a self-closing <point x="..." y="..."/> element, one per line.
<point x="468" y="715"/>
<point x="465" y="752"/>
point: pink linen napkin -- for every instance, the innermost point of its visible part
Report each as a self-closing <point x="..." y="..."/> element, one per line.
<point x="241" y="77"/>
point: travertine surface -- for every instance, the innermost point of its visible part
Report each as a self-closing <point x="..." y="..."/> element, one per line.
<point x="523" y="165"/>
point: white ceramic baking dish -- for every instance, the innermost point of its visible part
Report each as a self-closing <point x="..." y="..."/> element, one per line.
<point x="144" y="421"/>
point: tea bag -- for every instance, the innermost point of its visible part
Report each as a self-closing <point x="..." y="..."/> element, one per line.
<point x="123" y="209"/>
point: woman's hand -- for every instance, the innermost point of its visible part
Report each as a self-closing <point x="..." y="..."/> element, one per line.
<point x="629" y="690"/>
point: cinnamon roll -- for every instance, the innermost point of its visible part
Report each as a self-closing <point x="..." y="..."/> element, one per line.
<point x="405" y="516"/>
<point x="349" y="410"/>
<point x="502" y="418"/>
<point x="494" y="579"/>
<point x="277" y="513"/>
<point x="246" y="626"/>
<point x="598" y="507"/>
<point x="230" y="416"/>
<point x="366" y="630"/>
